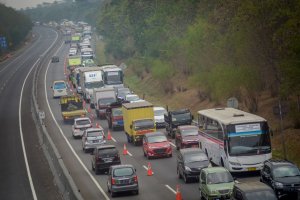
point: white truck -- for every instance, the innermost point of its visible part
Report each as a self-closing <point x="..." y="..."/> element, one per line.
<point x="90" y="78"/>
<point x="102" y="98"/>
<point x="112" y="76"/>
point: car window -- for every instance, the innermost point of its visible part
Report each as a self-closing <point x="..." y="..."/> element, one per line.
<point x="266" y="195"/>
<point x="203" y="177"/>
<point x="157" y="139"/>
<point x="196" y="157"/>
<point x="94" y="133"/>
<point x="286" y="171"/>
<point x="109" y="151"/>
<point x="188" y="132"/>
<point x="219" y="177"/>
<point x="126" y="171"/>
<point x="83" y="122"/>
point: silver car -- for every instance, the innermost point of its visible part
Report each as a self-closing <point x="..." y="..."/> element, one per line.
<point x="80" y="125"/>
<point x="91" y="138"/>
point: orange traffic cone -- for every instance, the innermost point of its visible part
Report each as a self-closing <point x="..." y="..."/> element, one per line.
<point x="149" y="171"/>
<point x="178" y="193"/>
<point x="125" y="152"/>
<point x="108" y="135"/>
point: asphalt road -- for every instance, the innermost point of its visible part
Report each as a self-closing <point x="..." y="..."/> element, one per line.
<point x="22" y="178"/>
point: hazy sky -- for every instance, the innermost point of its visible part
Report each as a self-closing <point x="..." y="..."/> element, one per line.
<point x="17" y="4"/>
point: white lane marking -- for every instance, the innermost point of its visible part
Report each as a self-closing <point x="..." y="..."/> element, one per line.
<point x="129" y="153"/>
<point x="70" y="146"/>
<point x="172" y="190"/>
<point x="171" y="143"/>
<point x="113" y="139"/>
<point x="146" y="168"/>
<point x="20" y="126"/>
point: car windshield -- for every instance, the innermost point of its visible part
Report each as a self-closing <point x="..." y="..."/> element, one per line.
<point x="219" y="177"/>
<point x="157" y="139"/>
<point x="106" y="101"/>
<point x="286" y="171"/>
<point x="132" y="98"/>
<point x="181" y="117"/>
<point x="126" y="171"/>
<point x="94" y="133"/>
<point x="195" y="157"/>
<point x="108" y="151"/>
<point x="83" y="122"/>
<point x="160" y="112"/>
<point x="117" y="112"/>
<point x="188" y="132"/>
<point x="91" y="85"/>
<point x="59" y="86"/>
<point x="143" y="124"/>
<point x="266" y="195"/>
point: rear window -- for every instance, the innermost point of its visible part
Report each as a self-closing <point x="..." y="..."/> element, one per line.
<point x="83" y="122"/>
<point x="126" y="171"/>
<point x="94" y="133"/>
<point x="109" y="151"/>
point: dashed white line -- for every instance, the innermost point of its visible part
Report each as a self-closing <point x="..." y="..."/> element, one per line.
<point x="113" y="139"/>
<point x="171" y="189"/>
<point x="129" y="153"/>
<point x="171" y="143"/>
<point x="146" y="168"/>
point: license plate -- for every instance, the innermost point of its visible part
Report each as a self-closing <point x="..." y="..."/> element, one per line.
<point x="251" y="168"/>
<point x="107" y="160"/>
<point x="95" y="141"/>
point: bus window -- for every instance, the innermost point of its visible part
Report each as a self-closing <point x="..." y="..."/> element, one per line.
<point x="214" y="129"/>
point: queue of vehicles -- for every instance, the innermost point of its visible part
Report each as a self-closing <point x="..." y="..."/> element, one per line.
<point x="234" y="140"/>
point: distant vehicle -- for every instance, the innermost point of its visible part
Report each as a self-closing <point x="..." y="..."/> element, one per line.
<point x="283" y="176"/>
<point x="88" y="63"/>
<point x="215" y="183"/>
<point x="159" y="113"/>
<point x="102" y="99"/>
<point x="187" y="136"/>
<point x="59" y="88"/>
<point x="253" y="191"/>
<point x="122" y="92"/>
<point x="133" y="98"/>
<point x="112" y="75"/>
<point x="190" y="162"/>
<point x="235" y="139"/>
<point x="114" y="116"/>
<point x="80" y="125"/>
<point x="91" y="138"/>
<point x="156" y="144"/>
<point x="122" y="178"/>
<point x="105" y="156"/>
<point x="71" y="107"/>
<point x="55" y="59"/>
<point x="175" y="118"/>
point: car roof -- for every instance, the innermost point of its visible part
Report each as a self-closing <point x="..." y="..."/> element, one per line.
<point x="152" y="134"/>
<point x="252" y="186"/>
<point x="106" y="147"/>
<point x="58" y="81"/>
<point x="182" y="127"/>
<point x="94" y="129"/>
<point x="191" y="151"/>
<point x="214" y="169"/>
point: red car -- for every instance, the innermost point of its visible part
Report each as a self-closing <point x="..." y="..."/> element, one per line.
<point x="187" y="136"/>
<point x="156" y="144"/>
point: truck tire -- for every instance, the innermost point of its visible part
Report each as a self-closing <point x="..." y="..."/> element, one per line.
<point x="128" y="138"/>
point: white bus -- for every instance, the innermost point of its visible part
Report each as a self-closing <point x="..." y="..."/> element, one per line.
<point x="234" y="139"/>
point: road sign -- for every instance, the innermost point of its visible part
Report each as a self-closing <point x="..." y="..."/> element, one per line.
<point x="3" y="42"/>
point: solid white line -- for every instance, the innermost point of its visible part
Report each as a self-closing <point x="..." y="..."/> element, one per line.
<point x="20" y="126"/>
<point x="68" y="143"/>
<point x="172" y="190"/>
<point x="171" y="143"/>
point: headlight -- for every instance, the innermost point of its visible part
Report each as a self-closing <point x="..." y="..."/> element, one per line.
<point x="187" y="168"/>
<point x="278" y="185"/>
<point x="235" y="163"/>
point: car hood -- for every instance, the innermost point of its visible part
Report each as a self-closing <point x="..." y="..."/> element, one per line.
<point x="197" y="165"/>
<point x="288" y="180"/>
<point x="159" y="145"/>
<point x="190" y="138"/>
<point x="248" y="161"/>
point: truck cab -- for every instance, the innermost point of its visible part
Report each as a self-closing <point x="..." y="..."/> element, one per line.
<point x="176" y="118"/>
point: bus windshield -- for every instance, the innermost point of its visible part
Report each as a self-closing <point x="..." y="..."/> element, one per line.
<point x="248" y="139"/>
<point x="114" y="77"/>
<point x="91" y="85"/>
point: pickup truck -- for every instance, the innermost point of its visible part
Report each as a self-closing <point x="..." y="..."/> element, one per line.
<point x="71" y="107"/>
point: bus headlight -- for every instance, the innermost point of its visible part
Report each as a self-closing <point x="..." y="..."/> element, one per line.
<point x="235" y="163"/>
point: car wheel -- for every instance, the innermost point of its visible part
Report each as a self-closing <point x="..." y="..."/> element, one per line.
<point x="108" y="190"/>
<point x="148" y="157"/>
<point x="136" y="192"/>
<point x="185" y="178"/>
<point x="170" y="156"/>
<point x="178" y="173"/>
<point x="93" y="168"/>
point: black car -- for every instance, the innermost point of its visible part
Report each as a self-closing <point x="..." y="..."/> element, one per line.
<point x="283" y="176"/>
<point x="55" y="59"/>
<point x="190" y="162"/>
<point x="122" y="178"/>
<point x="122" y="92"/>
<point x="103" y="157"/>
<point x="252" y="191"/>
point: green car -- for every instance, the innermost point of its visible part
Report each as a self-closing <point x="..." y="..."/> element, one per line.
<point x="215" y="183"/>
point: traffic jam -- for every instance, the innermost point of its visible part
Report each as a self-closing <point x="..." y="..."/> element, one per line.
<point x="211" y="148"/>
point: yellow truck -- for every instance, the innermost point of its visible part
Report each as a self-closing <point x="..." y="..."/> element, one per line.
<point x="138" y="120"/>
<point x="71" y="107"/>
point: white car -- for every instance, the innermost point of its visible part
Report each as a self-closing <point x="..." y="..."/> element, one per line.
<point x="132" y="98"/>
<point x="59" y="88"/>
<point x="159" y="117"/>
<point x="80" y="125"/>
<point x="91" y="138"/>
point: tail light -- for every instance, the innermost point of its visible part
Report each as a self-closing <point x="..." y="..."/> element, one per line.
<point x="135" y="178"/>
<point x="113" y="181"/>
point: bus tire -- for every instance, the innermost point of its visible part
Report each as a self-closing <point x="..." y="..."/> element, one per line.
<point x="222" y="162"/>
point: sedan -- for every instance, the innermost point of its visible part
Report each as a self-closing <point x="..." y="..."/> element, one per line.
<point x="156" y="144"/>
<point x="190" y="162"/>
<point x="122" y="178"/>
<point x="159" y="118"/>
<point x="91" y="138"/>
<point x="187" y="136"/>
<point x="80" y="125"/>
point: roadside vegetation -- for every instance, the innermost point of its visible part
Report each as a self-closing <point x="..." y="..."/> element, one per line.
<point x="14" y="26"/>
<point x="197" y="54"/>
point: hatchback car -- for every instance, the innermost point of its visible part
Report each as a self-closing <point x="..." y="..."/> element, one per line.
<point x="122" y="178"/>
<point x="156" y="144"/>
<point x="159" y="118"/>
<point x="80" y="125"/>
<point x="59" y="88"/>
<point x="105" y="156"/>
<point x="190" y="162"/>
<point x="283" y="176"/>
<point x="91" y="138"/>
<point x="187" y="136"/>
<point x="215" y="183"/>
<point x="253" y="191"/>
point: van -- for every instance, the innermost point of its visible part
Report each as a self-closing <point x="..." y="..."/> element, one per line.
<point x="59" y="89"/>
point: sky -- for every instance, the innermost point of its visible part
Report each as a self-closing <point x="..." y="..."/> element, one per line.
<point x="18" y="4"/>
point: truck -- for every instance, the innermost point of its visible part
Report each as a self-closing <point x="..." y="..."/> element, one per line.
<point x="71" y="107"/>
<point x="112" y="75"/>
<point x="101" y="100"/>
<point x="73" y="62"/>
<point x="90" y="78"/>
<point x="138" y="120"/>
<point x="176" y="118"/>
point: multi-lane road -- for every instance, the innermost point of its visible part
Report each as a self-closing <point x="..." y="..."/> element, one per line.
<point x="24" y="172"/>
